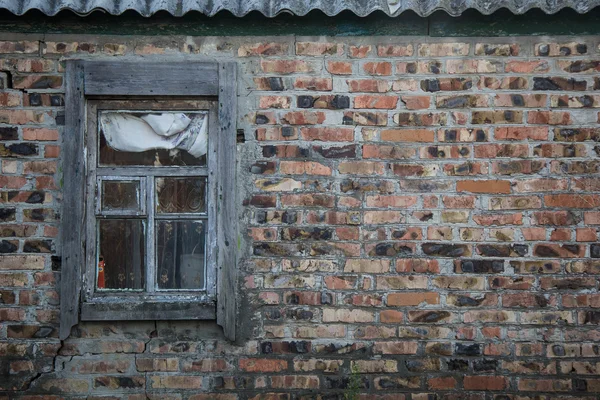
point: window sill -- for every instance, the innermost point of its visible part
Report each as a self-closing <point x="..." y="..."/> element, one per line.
<point x="148" y="310"/>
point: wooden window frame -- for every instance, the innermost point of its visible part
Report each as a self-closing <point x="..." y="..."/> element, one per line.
<point x="149" y="304"/>
<point x="88" y="83"/>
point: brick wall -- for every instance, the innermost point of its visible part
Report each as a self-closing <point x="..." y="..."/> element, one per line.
<point x="420" y="211"/>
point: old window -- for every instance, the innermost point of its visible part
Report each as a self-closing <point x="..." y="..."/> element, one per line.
<point x="149" y="193"/>
<point x="153" y="210"/>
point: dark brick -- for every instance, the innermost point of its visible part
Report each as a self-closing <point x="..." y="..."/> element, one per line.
<point x="307" y="233"/>
<point x="580" y="385"/>
<point x="7" y="246"/>
<point x="278" y="250"/>
<point x="473" y="349"/>
<point x="592" y="317"/>
<point x="269" y="151"/>
<point x="7" y="297"/>
<point x="30" y="331"/>
<point x="40" y="214"/>
<point x="7" y="214"/>
<point x="595" y="250"/>
<point x="457" y="365"/>
<point x="18" y="149"/>
<point x="9" y="133"/>
<point x="559" y="350"/>
<point x="422" y="365"/>
<point x="479" y="266"/>
<point x="583" y="66"/>
<point x="57" y="100"/>
<point x="35" y="99"/>
<point x="35" y="198"/>
<point x="37" y="246"/>
<point x="336" y="152"/>
<point x="261" y="119"/>
<point x="340" y="102"/>
<point x="341" y="383"/>
<point x="467" y="301"/>
<point x="445" y="250"/>
<point x="56" y="262"/>
<point x="60" y="118"/>
<point x="273" y="314"/>
<point x="264" y="201"/>
<point x="558" y="83"/>
<point x="430" y="85"/>
<point x="498" y="250"/>
<point x="287" y="131"/>
<point x="390" y="250"/>
<point x="485" y="365"/>
<point x="124" y="382"/>
<point x="432" y="316"/>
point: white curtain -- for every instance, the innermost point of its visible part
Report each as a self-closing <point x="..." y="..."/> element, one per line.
<point x="128" y="132"/>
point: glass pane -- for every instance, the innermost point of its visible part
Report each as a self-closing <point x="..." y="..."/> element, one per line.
<point x="120" y="195"/>
<point x="180" y="254"/>
<point x="181" y="195"/>
<point x="120" y="254"/>
<point x="152" y="138"/>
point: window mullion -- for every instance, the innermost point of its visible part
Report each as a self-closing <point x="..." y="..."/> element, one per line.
<point x="150" y="240"/>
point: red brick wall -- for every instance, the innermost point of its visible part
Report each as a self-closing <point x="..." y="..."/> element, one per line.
<point x="418" y="210"/>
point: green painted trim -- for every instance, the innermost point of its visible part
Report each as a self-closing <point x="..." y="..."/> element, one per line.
<point x="439" y="24"/>
<point x="504" y="23"/>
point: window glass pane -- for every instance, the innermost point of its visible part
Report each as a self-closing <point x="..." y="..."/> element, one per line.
<point x="120" y="254"/>
<point x="181" y="195"/>
<point x="121" y="195"/>
<point x="180" y="254"/>
<point x="161" y="138"/>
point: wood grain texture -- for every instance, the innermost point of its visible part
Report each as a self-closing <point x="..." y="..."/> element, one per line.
<point x="226" y="216"/>
<point x="116" y="79"/>
<point x="151" y="171"/>
<point x="213" y="174"/>
<point x="90" y="143"/>
<point x="186" y="78"/>
<point x="73" y="216"/>
<point x="159" y="310"/>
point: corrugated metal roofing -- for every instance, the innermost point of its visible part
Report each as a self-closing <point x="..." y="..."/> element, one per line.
<point x="272" y="8"/>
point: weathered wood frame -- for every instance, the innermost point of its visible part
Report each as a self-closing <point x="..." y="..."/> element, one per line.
<point x="88" y="80"/>
<point x="148" y="304"/>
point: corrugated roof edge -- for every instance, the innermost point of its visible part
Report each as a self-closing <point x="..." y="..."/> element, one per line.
<point x="272" y="8"/>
